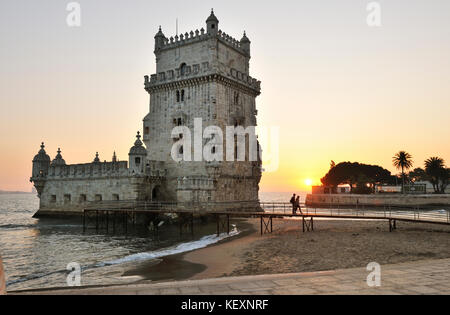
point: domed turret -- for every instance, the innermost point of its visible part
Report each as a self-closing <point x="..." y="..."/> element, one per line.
<point x="58" y="160"/>
<point x="245" y="43"/>
<point x="41" y="163"/>
<point x="137" y="156"/>
<point x="212" y="24"/>
<point x="159" y="39"/>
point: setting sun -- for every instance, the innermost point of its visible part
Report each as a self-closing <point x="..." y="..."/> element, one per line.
<point x="308" y="182"/>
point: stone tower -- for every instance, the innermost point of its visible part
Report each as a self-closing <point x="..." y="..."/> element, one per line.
<point x="202" y="76"/>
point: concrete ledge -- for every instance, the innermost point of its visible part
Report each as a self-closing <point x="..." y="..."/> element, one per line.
<point x="420" y="277"/>
<point x="378" y="200"/>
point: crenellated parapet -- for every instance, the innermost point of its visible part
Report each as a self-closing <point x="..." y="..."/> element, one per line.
<point x="198" y="36"/>
<point x="193" y="74"/>
<point x="88" y="170"/>
<point x="212" y="32"/>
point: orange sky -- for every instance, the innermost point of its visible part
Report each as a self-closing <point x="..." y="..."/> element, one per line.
<point x="338" y="89"/>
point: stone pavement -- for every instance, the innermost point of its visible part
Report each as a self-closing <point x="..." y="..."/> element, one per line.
<point x="422" y="277"/>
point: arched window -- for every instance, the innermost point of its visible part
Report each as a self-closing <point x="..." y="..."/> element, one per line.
<point x="178" y="96"/>
<point x="183" y="69"/>
<point x="182" y="95"/>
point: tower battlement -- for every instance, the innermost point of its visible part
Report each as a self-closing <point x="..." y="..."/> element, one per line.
<point x="198" y="36"/>
<point x="200" y="70"/>
<point x="212" y="32"/>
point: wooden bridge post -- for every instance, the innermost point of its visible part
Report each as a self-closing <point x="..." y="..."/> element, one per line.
<point x="107" y="221"/>
<point x="218" y="226"/>
<point x="261" y="223"/>
<point x="303" y="223"/>
<point x="114" y="222"/>
<point x="84" y="221"/>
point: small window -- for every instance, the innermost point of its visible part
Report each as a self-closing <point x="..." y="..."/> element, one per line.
<point x="180" y="122"/>
<point x="115" y="197"/>
<point x="213" y="150"/>
<point x="178" y="96"/>
<point x="146" y="130"/>
<point x="53" y="199"/>
<point x="98" y="198"/>
<point x="213" y="26"/>
<point x="182" y="95"/>
<point x="183" y="69"/>
<point x="83" y="198"/>
<point x="137" y="160"/>
<point x="181" y="151"/>
<point x="67" y="199"/>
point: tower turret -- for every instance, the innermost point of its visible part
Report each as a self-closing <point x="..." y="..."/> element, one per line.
<point x="137" y="156"/>
<point x="159" y="40"/>
<point x="41" y="163"/>
<point x="245" y="44"/>
<point x="58" y="160"/>
<point x="212" y="24"/>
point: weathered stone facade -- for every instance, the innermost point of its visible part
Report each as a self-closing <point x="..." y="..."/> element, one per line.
<point x="202" y="75"/>
<point x="199" y="75"/>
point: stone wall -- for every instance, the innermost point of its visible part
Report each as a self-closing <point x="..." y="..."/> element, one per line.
<point x="71" y="196"/>
<point x="378" y="200"/>
<point x="210" y="70"/>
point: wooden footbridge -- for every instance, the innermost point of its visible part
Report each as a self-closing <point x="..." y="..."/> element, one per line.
<point x="112" y="215"/>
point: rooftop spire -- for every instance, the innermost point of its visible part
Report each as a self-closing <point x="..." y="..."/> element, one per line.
<point x="138" y="140"/>
<point x="97" y="159"/>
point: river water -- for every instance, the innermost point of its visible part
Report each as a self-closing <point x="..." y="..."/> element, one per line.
<point x="36" y="253"/>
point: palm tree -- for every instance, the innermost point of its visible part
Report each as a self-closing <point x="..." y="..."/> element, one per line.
<point x="434" y="168"/>
<point x="403" y="160"/>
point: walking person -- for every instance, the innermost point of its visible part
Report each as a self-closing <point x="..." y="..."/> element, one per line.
<point x="297" y="205"/>
<point x="293" y="203"/>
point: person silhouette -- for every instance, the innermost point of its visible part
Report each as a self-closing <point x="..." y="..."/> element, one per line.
<point x="293" y="203"/>
<point x="297" y="205"/>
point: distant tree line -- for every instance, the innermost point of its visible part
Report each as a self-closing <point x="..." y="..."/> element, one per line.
<point x="362" y="178"/>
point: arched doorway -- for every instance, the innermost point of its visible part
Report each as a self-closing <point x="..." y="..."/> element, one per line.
<point x="156" y="193"/>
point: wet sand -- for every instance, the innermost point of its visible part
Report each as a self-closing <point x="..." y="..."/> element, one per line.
<point x="333" y="245"/>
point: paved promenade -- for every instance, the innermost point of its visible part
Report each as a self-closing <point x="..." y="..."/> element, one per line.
<point x="423" y="277"/>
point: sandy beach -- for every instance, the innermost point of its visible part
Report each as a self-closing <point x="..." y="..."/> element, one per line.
<point x="333" y="245"/>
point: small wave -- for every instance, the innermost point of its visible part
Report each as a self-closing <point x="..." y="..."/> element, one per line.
<point x="17" y="226"/>
<point x="181" y="248"/>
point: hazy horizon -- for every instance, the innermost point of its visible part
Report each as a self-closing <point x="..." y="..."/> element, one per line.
<point x="339" y="89"/>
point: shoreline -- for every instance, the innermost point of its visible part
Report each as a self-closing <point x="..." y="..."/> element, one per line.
<point x="335" y="244"/>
